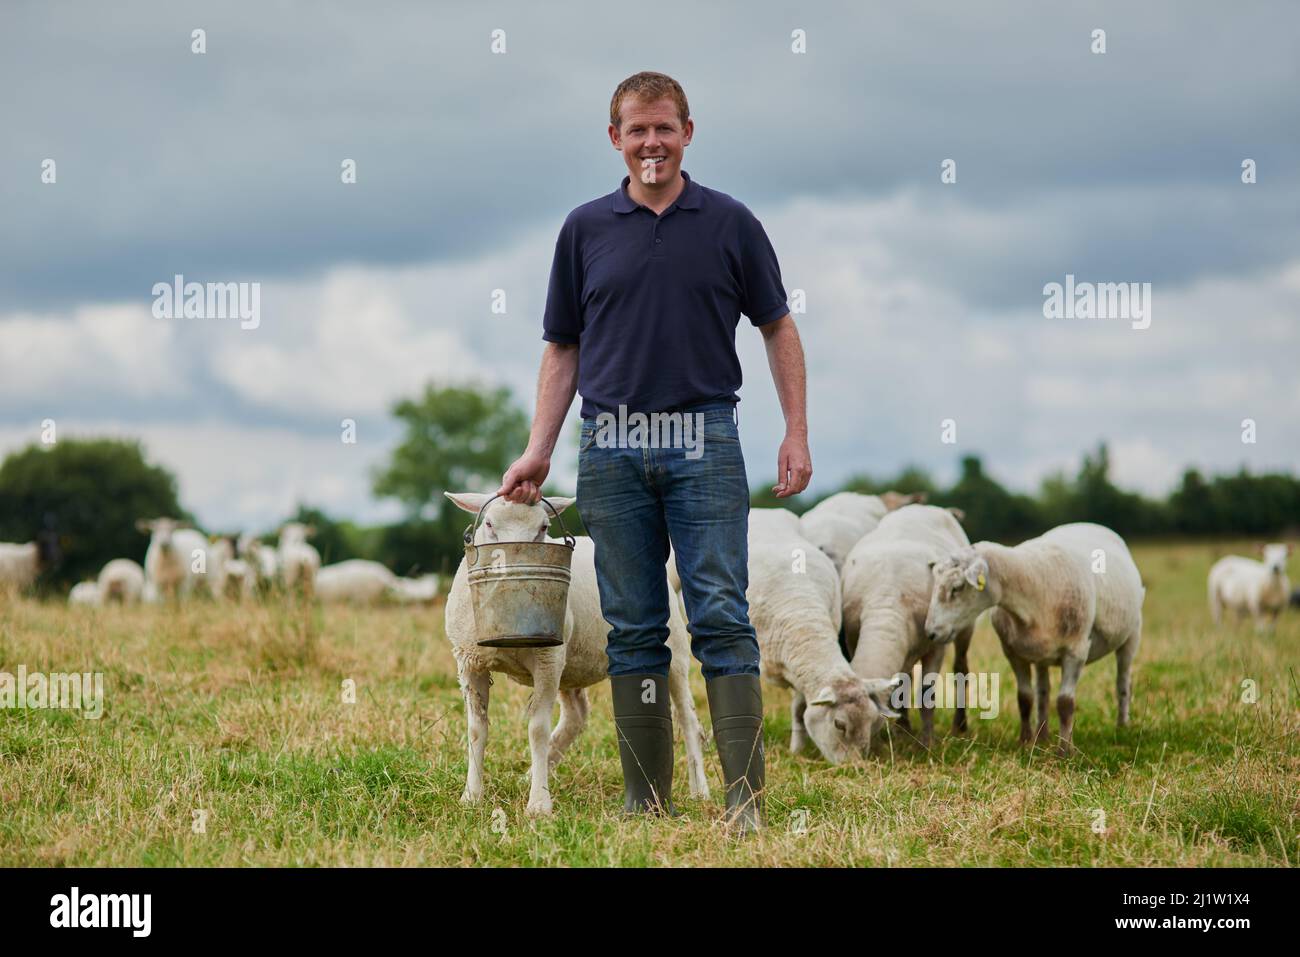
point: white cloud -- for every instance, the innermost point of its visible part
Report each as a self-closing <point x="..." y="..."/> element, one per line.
<point x="114" y="347"/>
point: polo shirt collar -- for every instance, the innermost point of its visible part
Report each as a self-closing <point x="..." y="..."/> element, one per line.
<point x="689" y="198"/>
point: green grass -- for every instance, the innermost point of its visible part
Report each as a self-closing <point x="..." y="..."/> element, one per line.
<point x="239" y="713"/>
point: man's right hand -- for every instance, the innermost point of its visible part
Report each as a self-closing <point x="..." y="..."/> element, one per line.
<point x="522" y="482"/>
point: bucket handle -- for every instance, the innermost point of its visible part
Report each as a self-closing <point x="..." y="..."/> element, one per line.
<point x="472" y="527"/>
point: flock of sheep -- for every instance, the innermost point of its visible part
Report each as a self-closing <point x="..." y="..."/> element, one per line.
<point x="182" y="562"/>
<point x="845" y="600"/>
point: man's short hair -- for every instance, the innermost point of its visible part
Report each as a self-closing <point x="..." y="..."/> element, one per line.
<point x="648" y="86"/>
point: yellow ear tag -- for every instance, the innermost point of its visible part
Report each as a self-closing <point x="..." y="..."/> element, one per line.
<point x="979" y="583"/>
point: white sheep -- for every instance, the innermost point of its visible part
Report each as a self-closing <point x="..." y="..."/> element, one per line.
<point x="263" y="559"/>
<point x="299" y="562"/>
<point x="772" y="524"/>
<point x="1066" y="598"/>
<point x="565" y="670"/>
<point x="794" y="606"/>
<point x="356" y="581"/>
<point x="220" y="581"/>
<point x="19" y="565"/>
<point x="121" y="580"/>
<point x="887" y="585"/>
<point x="415" y="591"/>
<point x="176" y="558"/>
<point x="1249" y="587"/>
<point x="84" y="593"/>
<point x="838" y="522"/>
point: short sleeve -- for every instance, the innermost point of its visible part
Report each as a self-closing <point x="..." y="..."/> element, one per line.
<point x="562" y="321"/>
<point x="763" y="298"/>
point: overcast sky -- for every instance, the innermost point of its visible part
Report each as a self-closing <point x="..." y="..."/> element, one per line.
<point x="924" y="299"/>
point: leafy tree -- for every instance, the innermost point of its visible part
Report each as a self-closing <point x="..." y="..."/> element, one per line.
<point x="992" y="513"/>
<point x="457" y="439"/>
<point x="90" y="492"/>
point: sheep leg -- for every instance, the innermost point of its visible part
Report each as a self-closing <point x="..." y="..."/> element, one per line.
<point x="679" y="690"/>
<point x="474" y="686"/>
<point x="931" y="664"/>
<point x="1043" y="688"/>
<point x="573" y="718"/>
<point x="546" y="687"/>
<point x="1024" y="695"/>
<point x="1071" y="670"/>
<point x="1124" y="655"/>
<point x="961" y="666"/>
<point x="798" y="733"/>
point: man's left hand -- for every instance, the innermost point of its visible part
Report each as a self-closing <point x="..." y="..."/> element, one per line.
<point x="793" y="466"/>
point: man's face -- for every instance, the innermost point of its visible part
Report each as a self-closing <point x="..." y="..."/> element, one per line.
<point x="652" y="131"/>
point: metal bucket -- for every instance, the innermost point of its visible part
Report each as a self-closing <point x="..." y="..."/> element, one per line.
<point x="519" y="590"/>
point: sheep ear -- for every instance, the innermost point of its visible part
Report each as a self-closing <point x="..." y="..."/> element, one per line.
<point x="957" y="514"/>
<point x="468" y="501"/>
<point x="824" y="697"/>
<point x="887" y="711"/>
<point x="144" y="525"/>
<point x="882" y="685"/>
<point x="976" y="574"/>
<point x="560" y="504"/>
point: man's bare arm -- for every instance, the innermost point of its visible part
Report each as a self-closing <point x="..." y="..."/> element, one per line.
<point x="785" y="358"/>
<point x="557" y="382"/>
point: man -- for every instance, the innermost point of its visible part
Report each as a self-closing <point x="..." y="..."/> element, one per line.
<point x="646" y="290"/>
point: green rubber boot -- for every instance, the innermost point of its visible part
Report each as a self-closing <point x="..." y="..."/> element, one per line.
<point x="643" y="720"/>
<point x="736" y="706"/>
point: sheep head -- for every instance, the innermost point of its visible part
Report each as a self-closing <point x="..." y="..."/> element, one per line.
<point x="963" y="588"/>
<point x="842" y="716"/>
<point x="506" y="521"/>
<point x="1275" y="557"/>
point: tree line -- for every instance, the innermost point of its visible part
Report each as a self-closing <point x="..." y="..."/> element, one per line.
<point x="91" y="491"/>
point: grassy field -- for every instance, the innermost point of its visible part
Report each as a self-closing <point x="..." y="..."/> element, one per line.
<point x="238" y="713"/>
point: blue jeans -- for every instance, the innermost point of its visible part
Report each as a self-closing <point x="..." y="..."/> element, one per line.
<point x="634" y="501"/>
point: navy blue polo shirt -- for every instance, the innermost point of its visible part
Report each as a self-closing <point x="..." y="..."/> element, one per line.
<point x="653" y="301"/>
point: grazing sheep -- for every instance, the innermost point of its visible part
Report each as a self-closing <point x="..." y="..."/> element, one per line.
<point x="176" y="558"/>
<point x="415" y="591"/>
<point x="896" y="500"/>
<point x="566" y="670"/>
<point x="1066" y="598"/>
<point x="262" y="559"/>
<point x="1249" y="587"/>
<point x="887" y="585"/>
<point x="356" y="581"/>
<point x="84" y="593"/>
<point x="240" y="581"/>
<point x="772" y="524"/>
<point x="20" y="565"/>
<point x="838" y="522"/>
<point x="299" y="561"/>
<point x="122" y="581"/>
<point x="794" y="606"/>
<point x="217" y="578"/>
